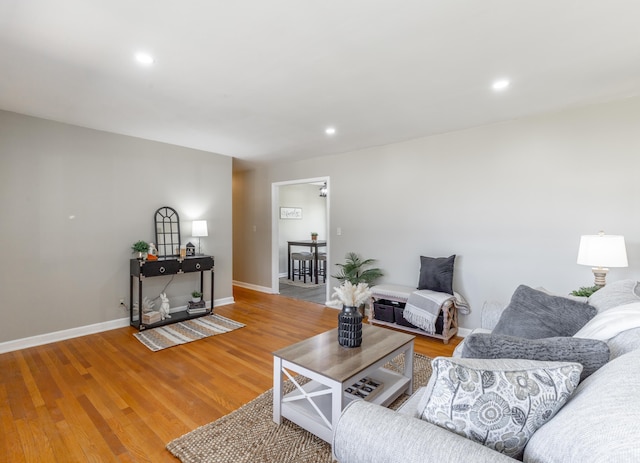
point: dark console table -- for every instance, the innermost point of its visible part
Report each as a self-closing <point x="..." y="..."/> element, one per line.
<point x="142" y="269"/>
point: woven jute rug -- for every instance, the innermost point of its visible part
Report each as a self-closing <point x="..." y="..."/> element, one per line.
<point x="249" y="434"/>
<point x="187" y="331"/>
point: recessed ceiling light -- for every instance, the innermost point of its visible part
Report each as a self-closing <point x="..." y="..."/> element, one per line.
<point x="330" y="131"/>
<point x="144" y="58"/>
<point x="500" y="84"/>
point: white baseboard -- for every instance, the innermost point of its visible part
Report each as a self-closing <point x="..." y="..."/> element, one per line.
<point x="47" y="338"/>
<point x="464" y="332"/>
<point x="334" y="304"/>
<point x="41" y="339"/>
<point x="262" y="289"/>
<point x="224" y="301"/>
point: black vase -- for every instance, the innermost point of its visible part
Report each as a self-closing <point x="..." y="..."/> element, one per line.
<point x="349" y="327"/>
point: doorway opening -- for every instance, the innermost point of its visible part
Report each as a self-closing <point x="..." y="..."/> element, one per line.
<point x="300" y="208"/>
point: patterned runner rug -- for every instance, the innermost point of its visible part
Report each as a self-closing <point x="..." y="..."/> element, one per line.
<point x="187" y="331"/>
<point x="249" y="435"/>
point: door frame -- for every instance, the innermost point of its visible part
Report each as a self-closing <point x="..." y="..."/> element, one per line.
<point x="275" y="228"/>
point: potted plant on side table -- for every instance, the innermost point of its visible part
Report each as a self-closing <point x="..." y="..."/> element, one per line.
<point x="141" y="247"/>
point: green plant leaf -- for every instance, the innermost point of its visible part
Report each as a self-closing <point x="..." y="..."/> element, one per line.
<point x="140" y="246"/>
<point x="354" y="271"/>
<point x="585" y="291"/>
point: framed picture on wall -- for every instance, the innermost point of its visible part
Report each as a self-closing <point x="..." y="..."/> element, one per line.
<point x="291" y="213"/>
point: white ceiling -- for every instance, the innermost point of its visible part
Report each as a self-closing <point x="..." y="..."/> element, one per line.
<point x="260" y="80"/>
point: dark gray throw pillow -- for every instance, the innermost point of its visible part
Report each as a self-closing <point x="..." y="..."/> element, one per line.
<point x="534" y="314"/>
<point x="590" y="353"/>
<point x="436" y="274"/>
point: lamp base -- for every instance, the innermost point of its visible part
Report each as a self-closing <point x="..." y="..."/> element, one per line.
<point x="600" y="274"/>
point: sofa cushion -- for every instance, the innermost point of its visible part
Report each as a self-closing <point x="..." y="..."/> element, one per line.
<point x="436" y="274"/>
<point x="599" y="423"/>
<point x="615" y="294"/>
<point x="534" y="314"/>
<point x="623" y="343"/>
<point x="611" y="322"/>
<point x="498" y="403"/>
<point x="590" y="353"/>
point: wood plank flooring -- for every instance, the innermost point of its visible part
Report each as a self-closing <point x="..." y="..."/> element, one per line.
<point x="105" y="397"/>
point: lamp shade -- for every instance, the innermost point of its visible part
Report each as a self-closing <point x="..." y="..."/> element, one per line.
<point x="602" y="251"/>
<point x="199" y="228"/>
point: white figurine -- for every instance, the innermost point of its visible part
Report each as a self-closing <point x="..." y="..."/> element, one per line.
<point x="164" y="307"/>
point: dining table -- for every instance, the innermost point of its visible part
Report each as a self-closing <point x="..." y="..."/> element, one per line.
<point x="313" y="246"/>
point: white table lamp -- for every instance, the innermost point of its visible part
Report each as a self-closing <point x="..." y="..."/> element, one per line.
<point x="198" y="229"/>
<point x="601" y="251"/>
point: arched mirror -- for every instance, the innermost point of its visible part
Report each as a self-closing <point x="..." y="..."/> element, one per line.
<point x="167" y="232"/>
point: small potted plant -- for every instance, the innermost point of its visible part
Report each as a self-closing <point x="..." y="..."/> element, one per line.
<point x="314" y="236"/>
<point x="141" y="247"/>
<point x="196" y="296"/>
<point x="585" y="291"/>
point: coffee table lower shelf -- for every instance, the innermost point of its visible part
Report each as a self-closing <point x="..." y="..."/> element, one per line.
<point x="330" y="369"/>
<point x="298" y="408"/>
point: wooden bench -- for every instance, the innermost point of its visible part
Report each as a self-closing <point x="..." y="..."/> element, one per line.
<point x="401" y="294"/>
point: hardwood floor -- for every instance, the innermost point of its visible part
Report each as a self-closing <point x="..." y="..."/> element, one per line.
<point x="105" y="397"/>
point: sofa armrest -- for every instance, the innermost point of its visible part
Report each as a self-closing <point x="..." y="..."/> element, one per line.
<point x="369" y="433"/>
<point x="491" y="312"/>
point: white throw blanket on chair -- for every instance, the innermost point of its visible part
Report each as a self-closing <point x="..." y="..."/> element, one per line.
<point x="424" y="306"/>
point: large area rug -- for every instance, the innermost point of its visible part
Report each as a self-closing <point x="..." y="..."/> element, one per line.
<point x="187" y="331"/>
<point x="249" y="434"/>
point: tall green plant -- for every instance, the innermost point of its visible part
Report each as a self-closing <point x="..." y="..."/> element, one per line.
<point x="354" y="271"/>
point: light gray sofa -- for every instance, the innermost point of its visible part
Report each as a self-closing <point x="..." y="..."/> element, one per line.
<point x="599" y="423"/>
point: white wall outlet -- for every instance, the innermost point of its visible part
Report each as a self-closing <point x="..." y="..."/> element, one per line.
<point x="338" y="231"/>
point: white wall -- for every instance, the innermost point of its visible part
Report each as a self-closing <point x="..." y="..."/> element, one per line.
<point x="510" y="200"/>
<point x="72" y="202"/>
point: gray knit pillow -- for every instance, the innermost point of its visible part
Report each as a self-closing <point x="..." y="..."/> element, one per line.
<point x="590" y="353"/>
<point x="534" y="314"/>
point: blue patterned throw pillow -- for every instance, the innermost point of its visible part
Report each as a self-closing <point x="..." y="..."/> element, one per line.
<point x="498" y="403"/>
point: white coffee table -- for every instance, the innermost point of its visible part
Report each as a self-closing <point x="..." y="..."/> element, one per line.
<point x="316" y="405"/>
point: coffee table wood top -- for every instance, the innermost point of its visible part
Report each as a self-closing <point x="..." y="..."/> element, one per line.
<point x="323" y="355"/>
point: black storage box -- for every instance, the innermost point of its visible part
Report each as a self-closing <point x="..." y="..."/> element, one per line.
<point x="384" y="310"/>
<point x="400" y="320"/>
